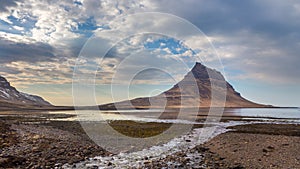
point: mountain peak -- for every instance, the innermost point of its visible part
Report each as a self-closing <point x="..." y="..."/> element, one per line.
<point x="205" y="77"/>
<point x="196" y="90"/>
<point x="198" y="66"/>
<point x="201" y="72"/>
<point x="4" y="82"/>
<point x="11" y="95"/>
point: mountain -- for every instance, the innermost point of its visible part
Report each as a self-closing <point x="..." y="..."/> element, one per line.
<point x="194" y="90"/>
<point x="11" y="98"/>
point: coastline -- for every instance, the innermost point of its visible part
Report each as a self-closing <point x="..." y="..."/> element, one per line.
<point x="108" y="108"/>
<point x="56" y="143"/>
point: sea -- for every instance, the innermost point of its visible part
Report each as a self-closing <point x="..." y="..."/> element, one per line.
<point x="254" y="114"/>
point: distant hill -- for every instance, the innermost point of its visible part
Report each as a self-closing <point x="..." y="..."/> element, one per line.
<point x="194" y="90"/>
<point x="11" y="98"/>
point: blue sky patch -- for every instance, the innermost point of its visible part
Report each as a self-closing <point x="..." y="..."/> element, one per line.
<point x="175" y="46"/>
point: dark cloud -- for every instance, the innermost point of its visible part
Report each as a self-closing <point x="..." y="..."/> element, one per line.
<point x="231" y="15"/>
<point x="275" y="25"/>
<point x="4" y="69"/>
<point x="4" y="4"/>
<point x="35" y="52"/>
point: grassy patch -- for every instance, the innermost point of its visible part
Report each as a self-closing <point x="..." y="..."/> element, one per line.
<point x="139" y="130"/>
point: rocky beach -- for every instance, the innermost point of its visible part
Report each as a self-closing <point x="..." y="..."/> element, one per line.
<point x="64" y="144"/>
<point x="46" y="145"/>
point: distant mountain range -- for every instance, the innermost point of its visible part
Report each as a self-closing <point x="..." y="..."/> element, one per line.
<point x="11" y="98"/>
<point x="194" y="90"/>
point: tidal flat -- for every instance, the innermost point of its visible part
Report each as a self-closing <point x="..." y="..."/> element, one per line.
<point x="47" y="141"/>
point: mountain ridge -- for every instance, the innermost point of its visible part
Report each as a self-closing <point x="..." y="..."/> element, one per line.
<point x="194" y="90"/>
<point x="10" y="97"/>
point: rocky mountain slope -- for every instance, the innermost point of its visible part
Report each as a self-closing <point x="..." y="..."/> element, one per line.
<point x="195" y="90"/>
<point x="10" y="97"/>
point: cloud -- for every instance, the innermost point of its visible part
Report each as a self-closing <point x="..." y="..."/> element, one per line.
<point x="34" y="52"/>
<point x="259" y="58"/>
<point x="4" y="5"/>
<point x="62" y="19"/>
<point x="52" y="30"/>
<point x="23" y="73"/>
<point x="259" y="38"/>
<point x="129" y="57"/>
<point x="229" y="16"/>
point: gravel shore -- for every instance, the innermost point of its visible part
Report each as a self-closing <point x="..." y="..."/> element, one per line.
<point x="259" y="146"/>
<point x="44" y="145"/>
<point x="53" y="144"/>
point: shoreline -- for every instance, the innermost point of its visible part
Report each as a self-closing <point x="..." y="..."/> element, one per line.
<point x="63" y="138"/>
<point x="98" y="107"/>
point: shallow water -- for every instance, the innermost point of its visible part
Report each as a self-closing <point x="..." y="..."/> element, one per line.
<point x="261" y="114"/>
<point x="266" y="112"/>
<point x="189" y="117"/>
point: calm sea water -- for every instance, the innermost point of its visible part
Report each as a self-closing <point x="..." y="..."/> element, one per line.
<point x="270" y="114"/>
<point x="266" y="112"/>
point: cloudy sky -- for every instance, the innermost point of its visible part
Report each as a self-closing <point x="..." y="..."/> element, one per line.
<point x="257" y="41"/>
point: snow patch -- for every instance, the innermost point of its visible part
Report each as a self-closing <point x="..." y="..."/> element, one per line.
<point x="4" y="94"/>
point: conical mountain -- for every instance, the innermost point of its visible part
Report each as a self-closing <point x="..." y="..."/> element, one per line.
<point x="210" y="87"/>
<point x="201" y="87"/>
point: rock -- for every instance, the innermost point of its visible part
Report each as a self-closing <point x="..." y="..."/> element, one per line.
<point x="196" y="167"/>
<point x="147" y="162"/>
<point x="35" y="149"/>
<point x="36" y="137"/>
<point x="109" y="164"/>
<point x="3" y="160"/>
